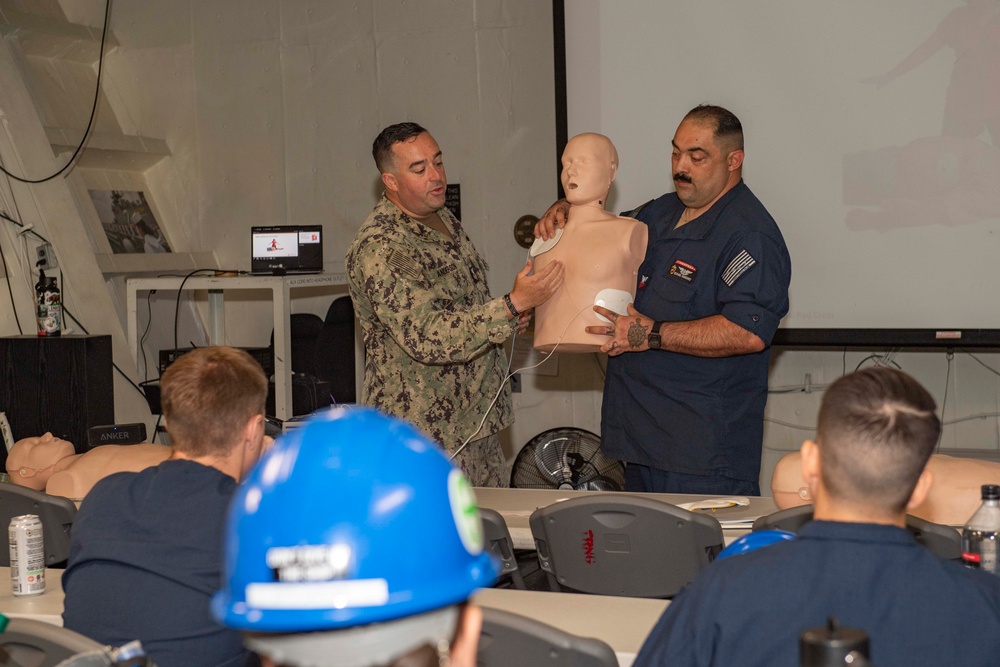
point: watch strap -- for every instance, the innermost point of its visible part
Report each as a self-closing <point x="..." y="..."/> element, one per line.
<point x="655" y="332"/>
<point x="510" y="305"/>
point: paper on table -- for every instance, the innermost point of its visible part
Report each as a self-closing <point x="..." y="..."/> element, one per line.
<point x="717" y="506"/>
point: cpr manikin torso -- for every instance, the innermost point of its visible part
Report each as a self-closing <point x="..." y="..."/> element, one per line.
<point x="601" y="251"/>
<point x="955" y="491"/>
<point x="48" y="464"/>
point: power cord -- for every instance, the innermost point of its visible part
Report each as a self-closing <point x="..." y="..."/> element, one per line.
<point x="177" y="302"/>
<point x="508" y="375"/>
<point x="93" y="111"/>
<point x="113" y="364"/>
<point x="142" y="338"/>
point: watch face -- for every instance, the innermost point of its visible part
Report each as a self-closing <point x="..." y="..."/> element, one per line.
<point x="653" y="340"/>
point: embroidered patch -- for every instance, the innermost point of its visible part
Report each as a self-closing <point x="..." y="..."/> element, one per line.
<point x="683" y="270"/>
<point x="446" y="270"/>
<point x="643" y="280"/>
<point x="740" y="265"/>
<point x="403" y="263"/>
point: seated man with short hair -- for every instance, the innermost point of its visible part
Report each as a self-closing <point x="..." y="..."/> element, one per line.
<point x="855" y="561"/>
<point x="146" y="552"/>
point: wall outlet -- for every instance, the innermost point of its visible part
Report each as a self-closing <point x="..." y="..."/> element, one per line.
<point x="46" y="257"/>
<point x="515" y="383"/>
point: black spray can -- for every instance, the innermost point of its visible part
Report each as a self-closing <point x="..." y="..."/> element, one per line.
<point x="49" y="306"/>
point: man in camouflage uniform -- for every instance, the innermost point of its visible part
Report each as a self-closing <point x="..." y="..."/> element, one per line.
<point x="433" y="335"/>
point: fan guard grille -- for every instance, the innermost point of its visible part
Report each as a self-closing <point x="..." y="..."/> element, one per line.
<point x="566" y="458"/>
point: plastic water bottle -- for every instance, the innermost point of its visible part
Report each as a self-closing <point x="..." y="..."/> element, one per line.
<point x="131" y="655"/>
<point x="981" y="537"/>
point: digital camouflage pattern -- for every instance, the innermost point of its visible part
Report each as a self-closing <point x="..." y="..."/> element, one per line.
<point x="433" y="336"/>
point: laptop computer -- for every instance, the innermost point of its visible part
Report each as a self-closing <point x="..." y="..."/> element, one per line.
<point x="284" y="249"/>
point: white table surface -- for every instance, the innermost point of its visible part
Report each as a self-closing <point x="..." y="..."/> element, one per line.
<point x="47" y="607"/>
<point x="622" y="623"/>
<point x="280" y="289"/>
<point x="516" y="506"/>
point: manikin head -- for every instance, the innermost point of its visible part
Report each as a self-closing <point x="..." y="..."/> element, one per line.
<point x="589" y="165"/>
<point x="877" y="428"/>
<point x="707" y="159"/>
<point x="31" y="461"/>
<point x="412" y="169"/>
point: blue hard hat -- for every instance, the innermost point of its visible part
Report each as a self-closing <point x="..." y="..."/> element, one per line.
<point x="353" y="518"/>
<point x="754" y="540"/>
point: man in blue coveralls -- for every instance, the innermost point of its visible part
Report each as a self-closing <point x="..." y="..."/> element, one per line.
<point x="855" y="561"/>
<point x="687" y="415"/>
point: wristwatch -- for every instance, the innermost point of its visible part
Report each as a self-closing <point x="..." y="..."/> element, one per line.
<point x="653" y="339"/>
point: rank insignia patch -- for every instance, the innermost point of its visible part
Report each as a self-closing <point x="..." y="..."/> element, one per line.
<point x="683" y="270"/>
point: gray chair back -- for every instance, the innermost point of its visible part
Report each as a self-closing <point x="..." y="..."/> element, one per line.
<point x="30" y="642"/>
<point x="944" y="541"/>
<point x="56" y="513"/>
<point x="790" y="519"/>
<point x="510" y="639"/>
<point x="623" y="544"/>
<point x="499" y="543"/>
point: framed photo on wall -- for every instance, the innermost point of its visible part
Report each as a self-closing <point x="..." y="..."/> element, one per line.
<point x="128" y="221"/>
<point x="129" y="233"/>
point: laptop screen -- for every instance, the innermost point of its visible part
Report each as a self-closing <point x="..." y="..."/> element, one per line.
<point x="285" y="249"/>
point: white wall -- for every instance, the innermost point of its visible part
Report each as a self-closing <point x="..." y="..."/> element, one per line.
<point x="269" y="109"/>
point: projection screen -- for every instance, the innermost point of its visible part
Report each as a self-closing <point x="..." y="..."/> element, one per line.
<point x="871" y="135"/>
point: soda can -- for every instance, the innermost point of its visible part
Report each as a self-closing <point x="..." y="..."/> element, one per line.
<point x="27" y="555"/>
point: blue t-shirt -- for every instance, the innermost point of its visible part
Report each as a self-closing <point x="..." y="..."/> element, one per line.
<point x="749" y="610"/>
<point x="145" y="560"/>
<point x="688" y="414"/>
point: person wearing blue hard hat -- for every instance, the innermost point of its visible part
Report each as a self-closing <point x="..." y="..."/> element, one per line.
<point x="753" y="541"/>
<point x="354" y="542"/>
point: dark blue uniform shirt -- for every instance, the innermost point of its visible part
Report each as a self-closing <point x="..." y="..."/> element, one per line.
<point x="145" y="559"/>
<point x="749" y="610"/>
<point x="689" y="414"/>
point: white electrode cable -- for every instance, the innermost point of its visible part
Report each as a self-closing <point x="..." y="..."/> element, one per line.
<point x="509" y="375"/>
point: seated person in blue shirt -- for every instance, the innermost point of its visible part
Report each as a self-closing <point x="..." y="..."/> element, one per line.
<point x="146" y="552"/>
<point x="855" y="561"/>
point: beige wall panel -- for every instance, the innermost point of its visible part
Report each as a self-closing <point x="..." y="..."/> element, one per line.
<point x="330" y="95"/>
<point x="424" y="16"/>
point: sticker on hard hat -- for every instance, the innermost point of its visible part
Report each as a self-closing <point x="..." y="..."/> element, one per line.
<point x="347" y="594"/>
<point x="466" y="512"/>
<point x="307" y="562"/>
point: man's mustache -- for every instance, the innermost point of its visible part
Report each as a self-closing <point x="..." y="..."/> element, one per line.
<point x="682" y="178"/>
